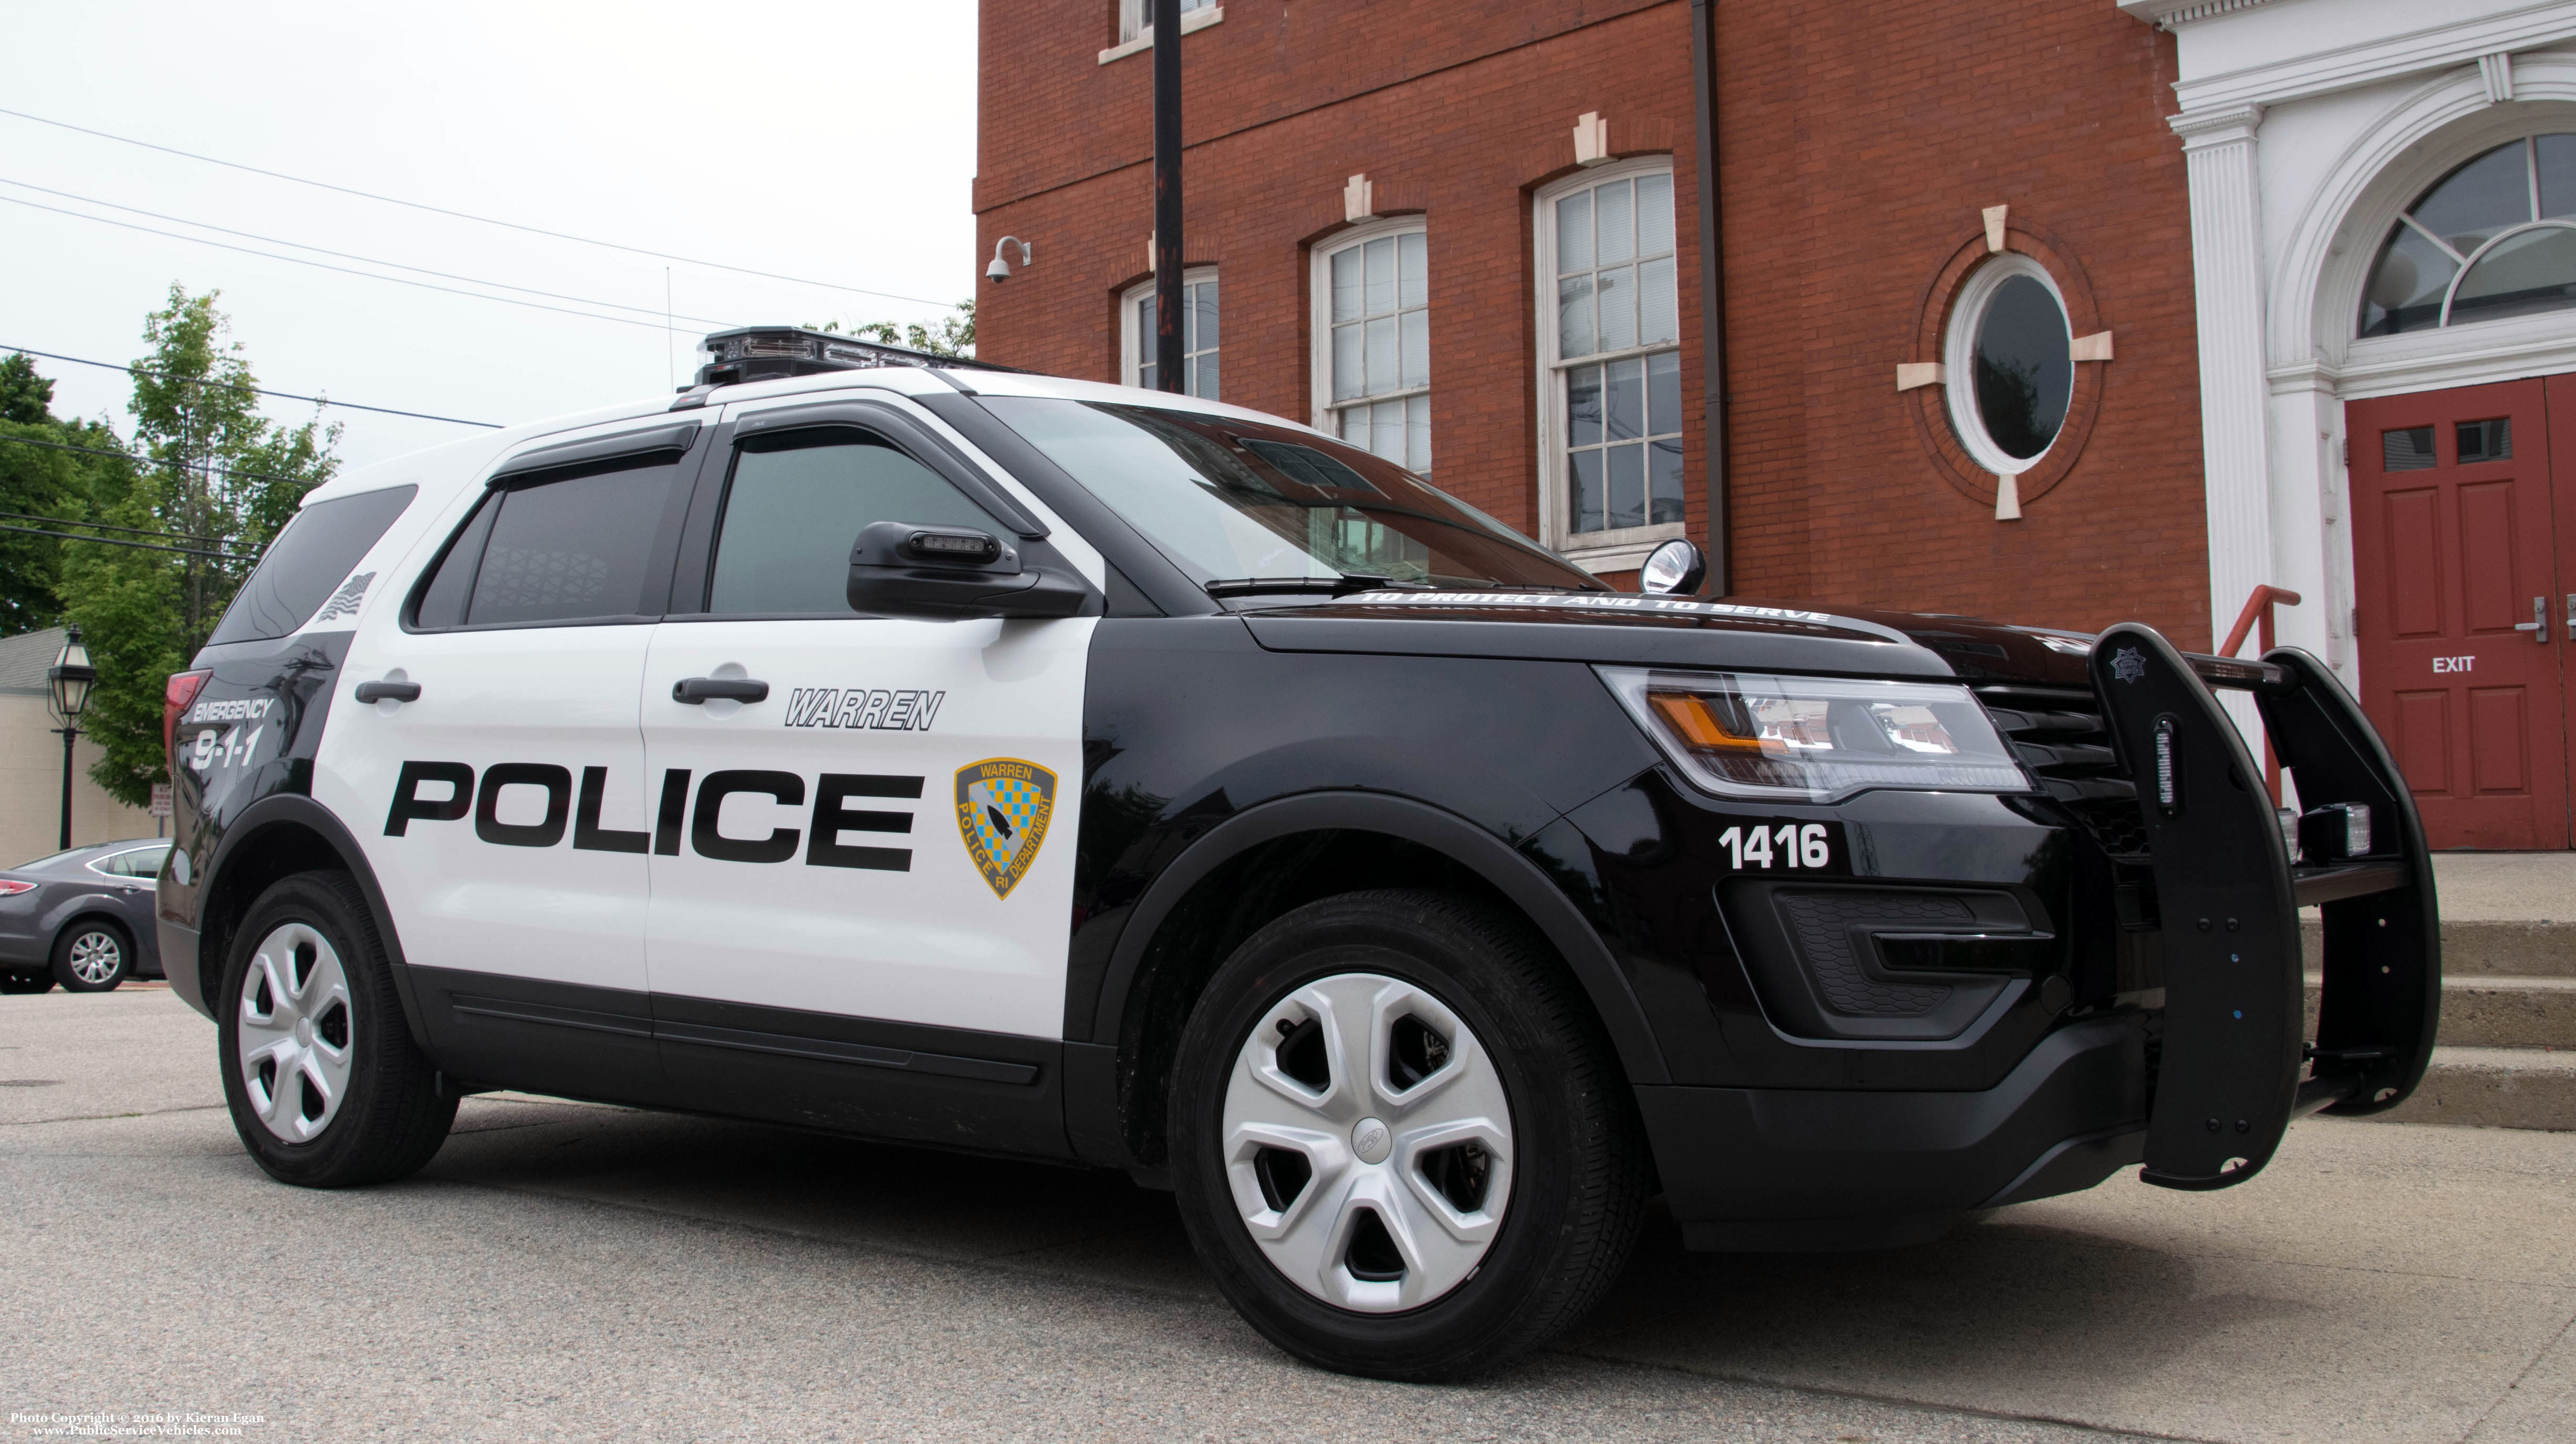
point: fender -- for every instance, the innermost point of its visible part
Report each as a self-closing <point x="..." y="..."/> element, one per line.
<point x="1515" y="876"/>
<point x="245" y="830"/>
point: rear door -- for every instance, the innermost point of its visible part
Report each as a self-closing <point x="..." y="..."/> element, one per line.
<point x="504" y="807"/>
<point x="862" y="881"/>
<point x="2461" y="612"/>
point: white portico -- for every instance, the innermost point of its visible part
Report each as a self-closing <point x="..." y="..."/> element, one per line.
<point x="2380" y="210"/>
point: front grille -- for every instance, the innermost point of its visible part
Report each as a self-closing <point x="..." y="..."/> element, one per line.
<point x="2058" y="734"/>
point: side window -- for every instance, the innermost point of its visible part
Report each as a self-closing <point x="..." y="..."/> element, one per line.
<point x="136" y="862"/>
<point x="307" y="562"/>
<point x="553" y="547"/>
<point x="795" y="505"/>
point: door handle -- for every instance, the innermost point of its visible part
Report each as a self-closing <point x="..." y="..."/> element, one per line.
<point x="695" y="690"/>
<point x="2571" y="614"/>
<point x="2538" y="626"/>
<point x="388" y="691"/>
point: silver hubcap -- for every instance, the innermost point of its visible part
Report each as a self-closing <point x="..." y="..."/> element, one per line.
<point x="95" y="957"/>
<point x="297" y="1023"/>
<point x="1368" y="1143"/>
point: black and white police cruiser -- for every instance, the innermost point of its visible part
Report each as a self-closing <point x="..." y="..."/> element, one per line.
<point x="898" y="747"/>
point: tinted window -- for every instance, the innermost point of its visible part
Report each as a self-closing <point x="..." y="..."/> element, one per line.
<point x="553" y="549"/>
<point x="307" y="563"/>
<point x="794" y="509"/>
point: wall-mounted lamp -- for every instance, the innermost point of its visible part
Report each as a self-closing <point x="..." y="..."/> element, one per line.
<point x="1000" y="270"/>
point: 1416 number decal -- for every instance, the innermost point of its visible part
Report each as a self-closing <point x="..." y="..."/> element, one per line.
<point x="1805" y="846"/>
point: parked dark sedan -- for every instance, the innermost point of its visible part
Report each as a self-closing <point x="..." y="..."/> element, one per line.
<point x="81" y="918"/>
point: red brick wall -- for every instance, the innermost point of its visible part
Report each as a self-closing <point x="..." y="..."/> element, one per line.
<point x="1858" y="143"/>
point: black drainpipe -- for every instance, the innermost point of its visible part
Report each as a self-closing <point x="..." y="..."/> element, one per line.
<point x="1167" y="196"/>
<point x="1712" y="301"/>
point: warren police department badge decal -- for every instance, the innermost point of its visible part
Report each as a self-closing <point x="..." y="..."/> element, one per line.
<point x="1003" y="806"/>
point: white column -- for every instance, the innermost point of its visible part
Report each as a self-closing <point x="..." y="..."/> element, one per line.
<point x="2227" y="282"/>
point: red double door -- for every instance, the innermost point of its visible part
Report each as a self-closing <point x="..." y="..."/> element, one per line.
<point x="2464" y="556"/>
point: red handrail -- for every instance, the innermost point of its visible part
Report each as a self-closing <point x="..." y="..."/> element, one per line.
<point x="2257" y="607"/>
<point x="2258" y="610"/>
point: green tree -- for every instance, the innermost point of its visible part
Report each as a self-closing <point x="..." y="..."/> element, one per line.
<point x="43" y="487"/>
<point x="953" y="336"/>
<point x="221" y="478"/>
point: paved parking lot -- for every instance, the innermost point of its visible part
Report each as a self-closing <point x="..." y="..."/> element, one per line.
<point x="571" y="1272"/>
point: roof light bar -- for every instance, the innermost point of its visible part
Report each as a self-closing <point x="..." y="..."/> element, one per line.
<point x="767" y="353"/>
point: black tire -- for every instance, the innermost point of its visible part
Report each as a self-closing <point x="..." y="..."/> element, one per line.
<point x="26" y="983"/>
<point x="1577" y="1186"/>
<point x="93" y="955"/>
<point x="389" y="1118"/>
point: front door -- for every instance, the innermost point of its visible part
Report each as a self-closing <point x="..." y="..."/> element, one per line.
<point x="862" y="880"/>
<point x="2463" y="603"/>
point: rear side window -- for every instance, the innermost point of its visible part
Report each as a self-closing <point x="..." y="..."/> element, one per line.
<point x="134" y="862"/>
<point x="555" y="547"/>
<point x="307" y="563"/>
<point x="797" y="504"/>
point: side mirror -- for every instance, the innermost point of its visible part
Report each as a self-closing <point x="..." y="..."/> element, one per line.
<point x="947" y="573"/>
<point x="1673" y="569"/>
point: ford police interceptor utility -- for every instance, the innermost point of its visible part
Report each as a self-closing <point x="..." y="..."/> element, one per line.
<point x="899" y="747"/>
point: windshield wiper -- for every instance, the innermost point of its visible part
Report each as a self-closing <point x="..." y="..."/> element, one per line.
<point x="1341" y="586"/>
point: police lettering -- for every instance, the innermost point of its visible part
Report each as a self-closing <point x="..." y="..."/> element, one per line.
<point x="447" y="791"/>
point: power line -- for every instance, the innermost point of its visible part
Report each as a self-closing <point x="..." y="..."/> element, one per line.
<point x="109" y="526"/>
<point x="150" y="461"/>
<point x="666" y="313"/>
<point x="327" y="266"/>
<point x="261" y="390"/>
<point x="468" y="216"/>
<point x="109" y="541"/>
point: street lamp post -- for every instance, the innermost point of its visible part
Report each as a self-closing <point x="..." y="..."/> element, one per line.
<point x="69" y="681"/>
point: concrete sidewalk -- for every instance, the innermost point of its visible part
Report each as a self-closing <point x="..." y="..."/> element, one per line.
<point x="574" y="1272"/>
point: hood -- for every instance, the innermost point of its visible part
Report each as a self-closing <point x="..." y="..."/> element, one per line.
<point x="1623" y="627"/>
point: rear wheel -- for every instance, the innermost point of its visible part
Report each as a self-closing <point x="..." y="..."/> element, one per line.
<point x="92" y="956"/>
<point x="325" y="1086"/>
<point x="1400" y="1139"/>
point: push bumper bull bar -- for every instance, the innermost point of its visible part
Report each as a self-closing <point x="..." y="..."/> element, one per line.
<point x="2228" y="1080"/>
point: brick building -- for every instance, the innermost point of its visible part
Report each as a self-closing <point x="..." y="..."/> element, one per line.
<point x="2055" y="310"/>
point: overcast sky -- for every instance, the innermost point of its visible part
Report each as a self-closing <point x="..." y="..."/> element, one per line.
<point x="833" y="142"/>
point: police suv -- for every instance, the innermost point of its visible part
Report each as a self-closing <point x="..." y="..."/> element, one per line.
<point x="893" y="746"/>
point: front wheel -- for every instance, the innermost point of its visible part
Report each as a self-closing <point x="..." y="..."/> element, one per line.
<point x="92" y="957"/>
<point x="1400" y="1139"/>
<point x="324" y="1084"/>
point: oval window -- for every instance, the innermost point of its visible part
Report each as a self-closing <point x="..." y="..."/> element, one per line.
<point x="2011" y="364"/>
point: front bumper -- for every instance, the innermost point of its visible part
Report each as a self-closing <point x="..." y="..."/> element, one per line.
<point x="2198" y="1072"/>
<point x="1759" y="1169"/>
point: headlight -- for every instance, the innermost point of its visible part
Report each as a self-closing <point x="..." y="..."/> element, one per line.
<point x="1817" y="739"/>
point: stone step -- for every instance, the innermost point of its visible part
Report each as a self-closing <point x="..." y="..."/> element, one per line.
<point x="2491" y="1012"/>
<point x="2495" y="1088"/>
<point x="2479" y="948"/>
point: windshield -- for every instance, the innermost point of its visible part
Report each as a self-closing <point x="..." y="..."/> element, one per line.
<point x="1241" y="501"/>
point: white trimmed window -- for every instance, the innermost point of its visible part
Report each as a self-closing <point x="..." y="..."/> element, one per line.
<point x="1136" y="17"/>
<point x="1610" y="381"/>
<point x="2010" y="358"/>
<point x="1372" y="333"/>
<point x="1199" y="334"/>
